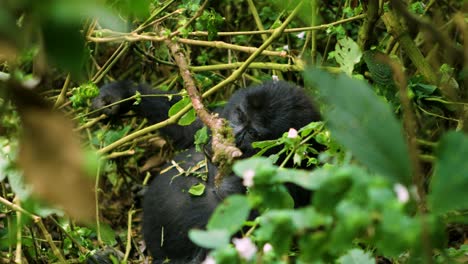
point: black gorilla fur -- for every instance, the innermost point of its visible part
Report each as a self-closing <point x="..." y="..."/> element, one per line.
<point x="257" y="113"/>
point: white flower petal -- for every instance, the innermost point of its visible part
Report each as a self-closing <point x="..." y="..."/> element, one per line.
<point x="245" y="247"/>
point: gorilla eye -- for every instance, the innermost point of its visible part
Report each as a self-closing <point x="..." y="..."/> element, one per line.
<point x="240" y="115"/>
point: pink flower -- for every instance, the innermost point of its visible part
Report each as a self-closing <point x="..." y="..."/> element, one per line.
<point x="245" y="247"/>
<point x="248" y="178"/>
<point x="292" y="133"/>
<point x="267" y="248"/>
<point x="301" y="35"/>
<point x="401" y="192"/>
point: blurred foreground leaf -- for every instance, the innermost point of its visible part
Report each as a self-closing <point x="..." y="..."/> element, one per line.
<point x="51" y="157"/>
<point x="363" y="123"/>
<point x="230" y="214"/>
<point x="449" y="183"/>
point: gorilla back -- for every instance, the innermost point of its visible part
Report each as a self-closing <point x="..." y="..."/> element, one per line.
<point x="170" y="211"/>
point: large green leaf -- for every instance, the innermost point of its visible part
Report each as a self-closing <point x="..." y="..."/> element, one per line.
<point x="449" y="185"/>
<point x="363" y="123"/>
<point x="230" y="214"/>
<point x="210" y="239"/>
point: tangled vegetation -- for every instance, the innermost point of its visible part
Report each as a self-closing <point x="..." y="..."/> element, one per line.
<point x="390" y="77"/>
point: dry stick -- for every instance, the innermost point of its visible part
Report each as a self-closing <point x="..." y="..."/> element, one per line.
<point x="128" y="247"/>
<point x="260" y="26"/>
<point x="223" y="145"/>
<point x="253" y="65"/>
<point x="368" y="25"/>
<point x="122" y="48"/>
<point x="454" y="51"/>
<point x="120" y="36"/>
<point x="38" y="221"/>
<point x="133" y="37"/>
<point x="277" y="32"/>
<point x="150" y="20"/>
<point x="192" y="19"/>
<point x="460" y="22"/>
<point x="313" y="47"/>
<point x="63" y="93"/>
<point x="146" y="130"/>
<point x="400" y="32"/>
<point x="78" y="244"/>
<point x="110" y="62"/>
<point x="237" y="73"/>
<point x="224" y="45"/>
<point x="327" y="45"/>
<point x="96" y="195"/>
<point x="18" y="236"/>
<point x="410" y="128"/>
<point x="289" y="30"/>
<point x="222" y="141"/>
<point x="114" y="155"/>
<point x="90" y="123"/>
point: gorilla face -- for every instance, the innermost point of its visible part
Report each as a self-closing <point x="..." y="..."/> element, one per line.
<point x="267" y="111"/>
<point x="112" y="93"/>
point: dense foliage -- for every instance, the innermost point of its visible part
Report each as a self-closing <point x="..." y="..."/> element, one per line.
<point x="390" y="78"/>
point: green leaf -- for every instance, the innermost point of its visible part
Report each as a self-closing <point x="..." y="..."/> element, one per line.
<point x="188" y="118"/>
<point x="263" y="168"/>
<point x="271" y="196"/>
<point x="178" y="106"/>
<point x="395" y="223"/>
<point x="197" y="189"/>
<point x="82" y="94"/>
<point x="332" y="190"/>
<point x="201" y="137"/>
<point x="17" y="184"/>
<point x="364" y="124"/>
<point x="305" y="179"/>
<point x="210" y="239"/>
<point x="114" y="135"/>
<point x="347" y="54"/>
<point x="449" y="185"/>
<point x="107" y="234"/>
<point x="230" y="214"/>
<point x="277" y="228"/>
<point x="356" y="256"/>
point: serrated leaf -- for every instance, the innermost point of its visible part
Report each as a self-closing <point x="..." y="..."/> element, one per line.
<point x="210" y="239"/>
<point x="230" y="214"/>
<point x="364" y="124"/>
<point x="449" y="185"/>
<point x="197" y="189"/>
<point x="356" y="256"/>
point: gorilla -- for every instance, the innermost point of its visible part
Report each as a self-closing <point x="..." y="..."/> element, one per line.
<point x="262" y="112"/>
